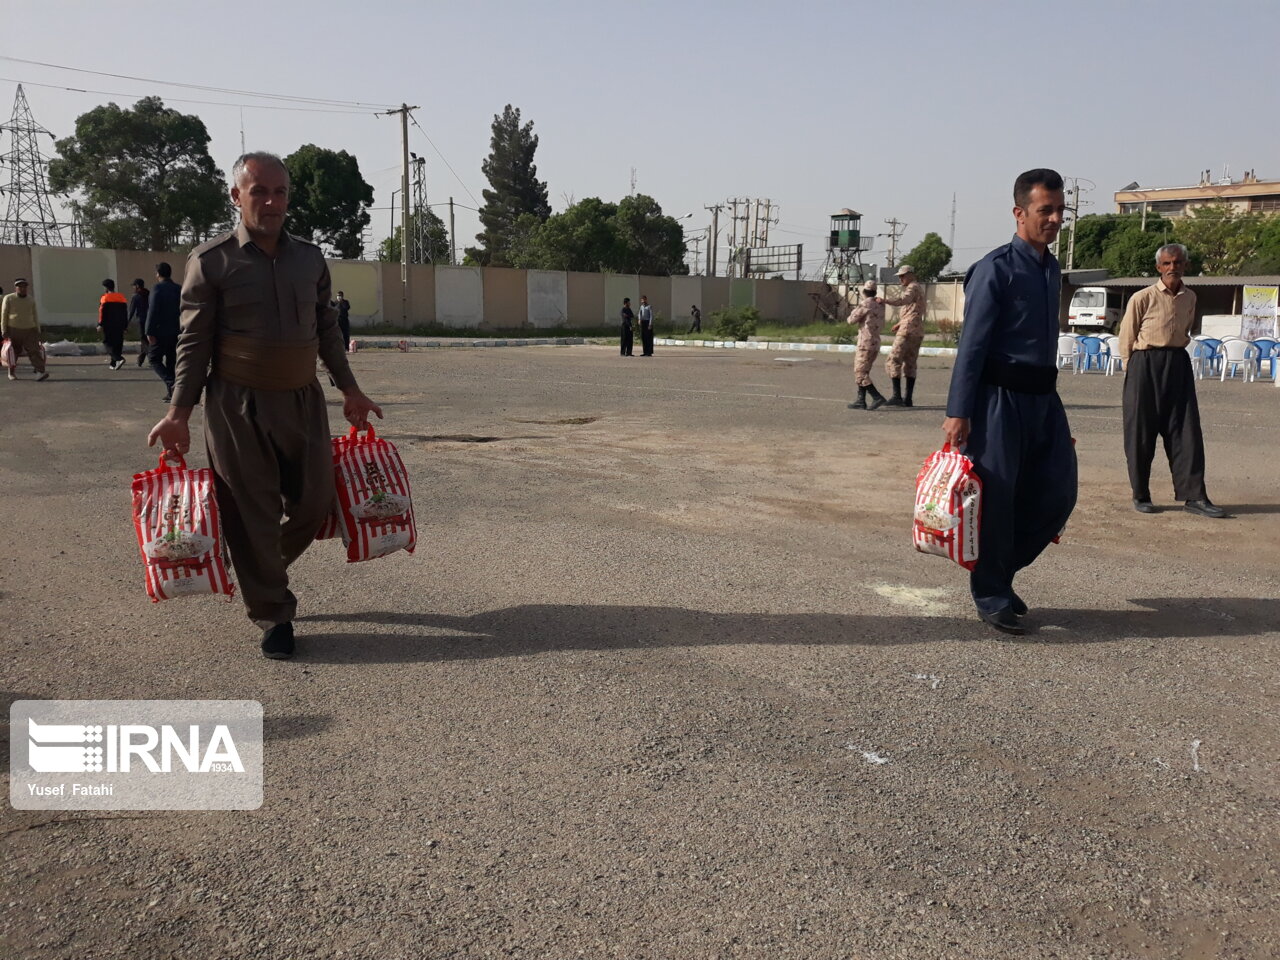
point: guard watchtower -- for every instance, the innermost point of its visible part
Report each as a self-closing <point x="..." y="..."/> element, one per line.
<point x="845" y="246"/>
<point x="846" y="232"/>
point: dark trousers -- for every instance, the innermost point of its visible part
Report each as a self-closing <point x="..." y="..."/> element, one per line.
<point x="1020" y="444"/>
<point x="646" y="341"/>
<point x="1160" y="401"/>
<point x="696" y="326"/>
<point x="625" y="334"/>
<point x="344" y="324"/>
<point x="113" y="337"/>
<point x="163" y="355"/>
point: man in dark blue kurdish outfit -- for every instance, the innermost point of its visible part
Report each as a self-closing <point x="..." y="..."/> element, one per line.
<point x="1003" y="407"/>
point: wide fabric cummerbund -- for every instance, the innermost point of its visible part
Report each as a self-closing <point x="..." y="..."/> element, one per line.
<point x="265" y="364"/>
<point x="1020" y="377"/>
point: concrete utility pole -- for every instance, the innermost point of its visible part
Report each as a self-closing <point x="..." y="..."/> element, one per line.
<point x="404" y="110"/>
<point x="952" y="241"/>
<point x="453" y="246"/>
<point x="894" y="234"/>
<point x="713" y="239"/>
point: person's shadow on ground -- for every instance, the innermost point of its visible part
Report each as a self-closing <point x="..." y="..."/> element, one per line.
<point x="539" y="628"/>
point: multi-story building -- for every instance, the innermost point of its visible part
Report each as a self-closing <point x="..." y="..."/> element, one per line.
<point x="1247" y="195"/>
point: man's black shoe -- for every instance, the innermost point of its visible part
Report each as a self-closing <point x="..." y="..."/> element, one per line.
<point x="1144" y="506"/>
<point x="1205" y="509"/>
<point x="277" y="643"/>
<point x="877" y="402"/>
<point x="858" y="405"/>
<point x="907" y="403"/>
<point x="1004" y="621"/>
<point x="895" y="402"/>
<point x="1018" y="606"/>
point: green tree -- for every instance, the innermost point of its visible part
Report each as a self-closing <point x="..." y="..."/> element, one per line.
<point x="328" y="199"/>
<point x="928" y="258"/>
<point x="435" y="245"/>
<point x="142" y="178"/>
<point x="1220" y="237"/>
<point x="1266" y="258"/>
<point x="1095" y="232"/>
<point x="1130" y="252"/>
<point x="633" y="236"/>
<point x="516" y="189"/>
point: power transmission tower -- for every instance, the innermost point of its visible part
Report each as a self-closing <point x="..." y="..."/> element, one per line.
<point x="421" y="253"/>
<point x="30" y="218"/>
<point x="896" y="228"/>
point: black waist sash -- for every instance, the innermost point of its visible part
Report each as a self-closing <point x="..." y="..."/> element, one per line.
<point x="1020" y="377"/>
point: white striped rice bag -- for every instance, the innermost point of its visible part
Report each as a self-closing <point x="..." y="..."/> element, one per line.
<point x="948" y="510"/>
<point x="373" y="497"/>
<point x="175" y="515"/>
<point x="332" y="526"/>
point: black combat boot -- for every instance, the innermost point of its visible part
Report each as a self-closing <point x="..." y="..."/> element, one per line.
<point x="911" y="389"/>
<point x="877" y="398"/>
<point x="861" y="402"/>
<point x="896" y="399"/>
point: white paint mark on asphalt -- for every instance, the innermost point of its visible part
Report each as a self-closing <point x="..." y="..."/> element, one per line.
<point x="1195" y="756"/>
<point x="926" y="601"/>
<point x="793" y="359"/>
<point x="1160" y="763"/>
<point x="934" y="682"/>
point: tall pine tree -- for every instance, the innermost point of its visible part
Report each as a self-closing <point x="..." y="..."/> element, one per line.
<point x="516" y="188"/>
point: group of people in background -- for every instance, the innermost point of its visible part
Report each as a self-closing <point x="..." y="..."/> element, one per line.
<point x="908" y="336"/>
<point x="629" y="318"/>
<point x="158" y="312"/>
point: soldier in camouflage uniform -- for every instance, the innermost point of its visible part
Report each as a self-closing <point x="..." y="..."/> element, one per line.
<point x="870" y="314"/>
<point x="910" y="334"/>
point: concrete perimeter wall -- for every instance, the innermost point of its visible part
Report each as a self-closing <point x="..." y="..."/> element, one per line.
<point x="67" y="283"/>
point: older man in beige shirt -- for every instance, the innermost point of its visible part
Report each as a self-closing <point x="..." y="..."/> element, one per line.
<point x="1160" y="388"/>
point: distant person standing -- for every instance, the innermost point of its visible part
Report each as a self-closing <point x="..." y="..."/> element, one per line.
<point x="646" y="327"/>
<point x="138" y="311"/>
<point x="696" y="326"/>
<point x="910" y="334"/>
<point x="870" y="314"/>
<point x="1160" y="388"/>
<point x="20" y="324"/>
<point x="163" y="326"/>
<point x="628" y="319"/>
<point x="344" y="319"/>
<point x="113" y="319"/>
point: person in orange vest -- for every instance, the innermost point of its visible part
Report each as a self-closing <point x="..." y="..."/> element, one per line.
<point x="113" y="319"/>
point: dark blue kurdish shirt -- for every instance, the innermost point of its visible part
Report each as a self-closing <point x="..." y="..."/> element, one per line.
<point x="1010" y="316"/>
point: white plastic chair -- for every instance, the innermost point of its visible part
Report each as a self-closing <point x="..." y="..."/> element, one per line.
<point x="1239" y="355"/>
<point x="1069" y="352"/>
<point x="1114" y="361"/>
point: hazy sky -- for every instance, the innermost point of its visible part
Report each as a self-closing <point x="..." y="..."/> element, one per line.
<point x="888" y="108"/>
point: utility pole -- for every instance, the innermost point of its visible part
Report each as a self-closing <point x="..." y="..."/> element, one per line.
<point x="29" y="217"/>
<point x="633" y="181"/>
<point x="894" y="234"/>
<point x="453" y="246"/>
<point x="404" y="110"/>
<point x="952" y="241"/>
<point x="713" y="239"/>
<point x="697" y="253"/>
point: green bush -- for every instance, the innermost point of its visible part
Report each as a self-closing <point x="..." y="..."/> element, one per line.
<point x="735" y="323"/>
<point x="845" y="333"/>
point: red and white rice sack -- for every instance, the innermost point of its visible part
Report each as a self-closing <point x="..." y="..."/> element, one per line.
<point x="373" y="497"/>
<point x="175" y="515"/>
<point x="332" y="526"/>
<point x="948" y="509"/>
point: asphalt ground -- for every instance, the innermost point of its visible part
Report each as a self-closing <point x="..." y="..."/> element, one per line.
<point x="665" y="679"/>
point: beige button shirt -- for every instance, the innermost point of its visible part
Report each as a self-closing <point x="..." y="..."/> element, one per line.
<point x="911" y="317"/>
<point x="870" y="314"/>
<point x="1155" y="317"/>
<point x="231" y="286"/>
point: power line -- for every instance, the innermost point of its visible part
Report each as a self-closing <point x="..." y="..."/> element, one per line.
<point x="209" y="103"/>
<point x="197" y="86"/>
<point x="445" y="159"/>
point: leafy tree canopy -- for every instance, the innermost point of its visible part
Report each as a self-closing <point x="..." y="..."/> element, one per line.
<point x="328" y="199"/>
<point x="434" y="247"/>
<point x="928" y="258"/>
<point x="1222" y="238"/>
<point x="632" y="236"/>
<point x="515" y="189"/>
<point x="141" y="178"/>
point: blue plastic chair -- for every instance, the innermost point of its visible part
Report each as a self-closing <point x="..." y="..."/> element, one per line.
<point x="1215" y="362"/>
<point x="1269" y="353"/>
<point x="1096" y="354"/>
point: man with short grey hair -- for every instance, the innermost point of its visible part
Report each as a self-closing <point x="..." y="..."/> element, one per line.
<point x="255" y="316"/>
<point x="1160" y="388"/>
